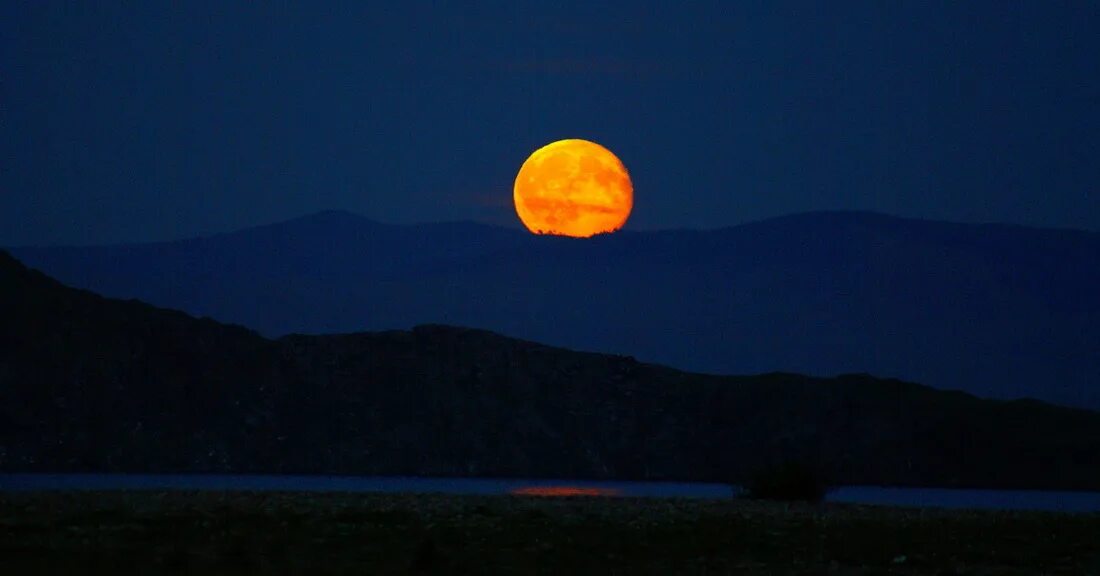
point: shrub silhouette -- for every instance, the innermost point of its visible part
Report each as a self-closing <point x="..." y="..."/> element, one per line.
<point x="789" y="481"/>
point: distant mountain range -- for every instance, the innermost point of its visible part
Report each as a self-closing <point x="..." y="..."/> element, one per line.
<point x="998" y="311"/>
<point x="94" y="384"/>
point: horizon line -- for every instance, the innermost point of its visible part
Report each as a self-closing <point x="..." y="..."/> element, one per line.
<point x="521" y="230"/>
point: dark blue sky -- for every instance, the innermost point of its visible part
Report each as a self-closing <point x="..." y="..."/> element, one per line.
<point x="163" y="121"/>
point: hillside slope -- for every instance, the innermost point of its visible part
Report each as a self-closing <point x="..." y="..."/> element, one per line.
<point x="93" y="384"/>
<point x="998" y="311"/>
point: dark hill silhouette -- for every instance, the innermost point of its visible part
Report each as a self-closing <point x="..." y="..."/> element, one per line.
<point x="998" y="311"/>
<point x="94" y="384"/>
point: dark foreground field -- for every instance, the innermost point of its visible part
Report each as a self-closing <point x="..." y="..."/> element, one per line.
<point x="265" y="533"/>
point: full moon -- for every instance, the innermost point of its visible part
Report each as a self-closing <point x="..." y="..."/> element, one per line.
<point x="573" y="188"/>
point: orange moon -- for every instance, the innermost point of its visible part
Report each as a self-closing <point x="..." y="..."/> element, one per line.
<point x="573" y="188"/>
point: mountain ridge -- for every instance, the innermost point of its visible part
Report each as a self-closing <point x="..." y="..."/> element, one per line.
<point x="998" y="310"/>
<point x="92" y="384"/>
<point x="342" y="216"/>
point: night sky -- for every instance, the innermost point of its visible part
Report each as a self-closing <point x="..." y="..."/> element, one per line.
<point x="169" y="120"/>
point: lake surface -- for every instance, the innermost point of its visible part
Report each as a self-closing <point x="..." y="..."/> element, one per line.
<point x="923" y="497"/>
<point x="11" y="482"/>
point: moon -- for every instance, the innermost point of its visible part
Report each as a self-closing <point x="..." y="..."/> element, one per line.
<point x="573" y="188"/>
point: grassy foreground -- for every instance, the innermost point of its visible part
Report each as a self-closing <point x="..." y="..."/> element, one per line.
<point x="121" y="533"/>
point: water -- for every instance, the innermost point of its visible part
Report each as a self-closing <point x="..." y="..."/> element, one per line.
<point x="923" y="497"/>
<point x="980" y="499"/>
<point x="14" y="482"/>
